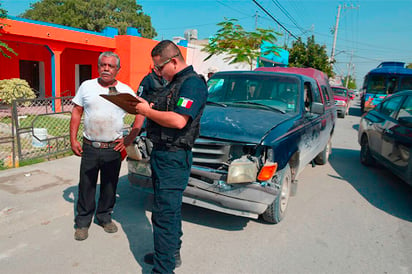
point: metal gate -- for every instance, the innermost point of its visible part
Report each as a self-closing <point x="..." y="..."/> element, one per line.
<point x="38" y="128"/>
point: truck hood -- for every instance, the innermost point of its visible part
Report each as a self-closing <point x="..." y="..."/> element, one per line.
<point x="340" y="98"/>
<point x="238" y="124"/>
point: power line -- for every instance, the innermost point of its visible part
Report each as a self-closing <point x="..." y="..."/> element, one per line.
<point x="270" y="15"/>
<point x="230" y="7"/>
<point x="287" y="14"/>
<point x="199" y="25"/>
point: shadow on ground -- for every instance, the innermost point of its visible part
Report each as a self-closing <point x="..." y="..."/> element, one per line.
<point x="130" y="213"/>
<point x="377" y="185"/>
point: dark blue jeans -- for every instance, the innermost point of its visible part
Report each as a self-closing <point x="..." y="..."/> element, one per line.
<point x="94" y="160"/>
<point x="170" y="175"/>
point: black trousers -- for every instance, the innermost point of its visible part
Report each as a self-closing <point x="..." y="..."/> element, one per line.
<point x="170" y="174"/>
<point x="94" y="160"/>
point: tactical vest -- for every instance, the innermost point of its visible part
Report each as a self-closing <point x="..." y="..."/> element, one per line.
<point x="157" y="83"/>
<point x="166" y="100"/>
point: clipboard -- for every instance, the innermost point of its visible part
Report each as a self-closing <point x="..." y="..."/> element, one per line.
<point x="122" y="100"/>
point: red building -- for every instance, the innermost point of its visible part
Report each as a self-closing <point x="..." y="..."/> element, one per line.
<point x="55" y="59"/>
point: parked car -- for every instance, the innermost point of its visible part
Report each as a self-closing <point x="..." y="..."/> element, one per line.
<point x="342" y="100"/>
<point x="351" y="94"/>
<point x="256" y="136"/>
<point x="385" y="135"/>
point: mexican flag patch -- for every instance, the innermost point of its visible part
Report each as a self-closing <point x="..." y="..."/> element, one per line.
<point x="184" y="102"/>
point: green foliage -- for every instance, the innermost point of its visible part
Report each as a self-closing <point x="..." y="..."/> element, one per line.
<point x="15" y="88"/>
<point x="3" y="12"/>
<point x="351" y="82"/>
<point x="93" y="15"/>
<point x="241" y="46"/>
<point x="312" y="55"/>
<point x="409" y="66"/>
<point x="3" y="46"/>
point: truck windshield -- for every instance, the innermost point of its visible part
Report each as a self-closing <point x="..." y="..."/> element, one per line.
<point x="340" y="91"/>
<point x="280" y="92"/>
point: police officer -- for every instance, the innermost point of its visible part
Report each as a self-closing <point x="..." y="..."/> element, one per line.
<point x="151" y="83"/>
<point x="172" y="125"/>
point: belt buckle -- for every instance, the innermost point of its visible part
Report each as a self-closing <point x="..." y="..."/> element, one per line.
<point x="96" y="144"/>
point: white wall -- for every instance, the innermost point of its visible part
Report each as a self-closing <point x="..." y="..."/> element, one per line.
<point x="195" y="58"/>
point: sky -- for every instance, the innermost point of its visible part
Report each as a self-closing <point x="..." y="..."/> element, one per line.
<point x="369" y="31"/>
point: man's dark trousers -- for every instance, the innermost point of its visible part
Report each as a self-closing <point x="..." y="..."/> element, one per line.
<point x="170" y="174"/>
<point x="108" y="162"/>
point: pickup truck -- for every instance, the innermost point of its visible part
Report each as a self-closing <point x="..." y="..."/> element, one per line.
<point x="259" y="130"/>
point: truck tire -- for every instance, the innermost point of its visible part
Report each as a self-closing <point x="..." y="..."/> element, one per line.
<point x="277" y="210"/>
<point x="323" y="157"/>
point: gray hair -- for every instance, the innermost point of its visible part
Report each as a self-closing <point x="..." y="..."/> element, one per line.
<point x="110" y="54"/>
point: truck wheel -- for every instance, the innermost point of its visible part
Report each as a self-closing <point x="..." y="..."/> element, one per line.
<point x="365" y="153"/>
<point x="277" y="210"/>
<point x="323" y="157"/>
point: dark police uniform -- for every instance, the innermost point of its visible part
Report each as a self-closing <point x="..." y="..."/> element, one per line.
<point x="171" y="160"/>
<point x="151" y="83"/>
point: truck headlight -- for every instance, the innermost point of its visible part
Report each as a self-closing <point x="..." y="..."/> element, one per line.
<point x="242" y="170"/>
<point x="340" y="103"/>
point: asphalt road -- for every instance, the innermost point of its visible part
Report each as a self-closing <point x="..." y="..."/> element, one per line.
<point x="345" y="218"/>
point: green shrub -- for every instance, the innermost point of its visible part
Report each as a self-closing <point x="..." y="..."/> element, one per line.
<point x="15" y="88"/>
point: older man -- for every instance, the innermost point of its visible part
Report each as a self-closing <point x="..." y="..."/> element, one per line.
<point x="102" y="145"/>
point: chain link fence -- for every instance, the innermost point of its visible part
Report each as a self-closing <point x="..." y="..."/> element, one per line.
<point x="33" y="130"/>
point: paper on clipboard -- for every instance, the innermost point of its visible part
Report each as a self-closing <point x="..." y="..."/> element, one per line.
<point x="122" y="100"/>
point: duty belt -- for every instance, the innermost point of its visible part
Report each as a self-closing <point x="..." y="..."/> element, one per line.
<point x="169" y="147"/>
<point x="99" y="144"/>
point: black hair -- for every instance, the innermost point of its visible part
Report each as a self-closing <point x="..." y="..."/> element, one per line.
<point x="165" y="48"/>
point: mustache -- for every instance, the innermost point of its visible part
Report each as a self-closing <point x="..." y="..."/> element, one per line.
<point x="106" y="73"/>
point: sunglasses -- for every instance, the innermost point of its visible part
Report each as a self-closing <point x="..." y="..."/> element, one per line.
<point x="159" y="67"/>
<point x="112" y="90"/>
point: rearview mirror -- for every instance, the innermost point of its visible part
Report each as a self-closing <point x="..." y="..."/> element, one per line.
<point x="317" y="108"/>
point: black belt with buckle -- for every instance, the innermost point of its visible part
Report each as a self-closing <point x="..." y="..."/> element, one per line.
<point x="99" y="144"/>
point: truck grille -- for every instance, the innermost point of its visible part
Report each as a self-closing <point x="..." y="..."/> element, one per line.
<point x="210" y="153"/>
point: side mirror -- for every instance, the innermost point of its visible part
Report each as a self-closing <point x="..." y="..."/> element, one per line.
<point x="317" y="108"/>
<point x="405" y="121"/>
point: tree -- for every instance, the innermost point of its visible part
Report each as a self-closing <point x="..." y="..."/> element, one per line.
<point x="93" y="15"/>
<point x="309" y="55"/>
<point x="351" y="82"/>
<point x="241" y="46"/>
<point x="3" y="46"/>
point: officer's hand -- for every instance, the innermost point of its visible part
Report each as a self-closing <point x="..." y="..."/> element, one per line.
<point x="142" y="107"/>
<point x="76" y="148"/>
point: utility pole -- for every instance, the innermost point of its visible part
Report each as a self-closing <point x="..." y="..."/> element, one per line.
<point x="335" y="36"/>
<point x="349" y="67"/>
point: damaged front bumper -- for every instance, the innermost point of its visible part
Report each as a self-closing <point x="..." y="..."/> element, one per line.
<point x="208" y="188"/>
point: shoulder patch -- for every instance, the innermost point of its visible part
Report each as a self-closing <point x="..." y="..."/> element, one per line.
<point x="184" y="102"/>
<point x="140" y="91"/>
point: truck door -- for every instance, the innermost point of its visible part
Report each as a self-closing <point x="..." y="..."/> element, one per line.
<point x="315" y="128"/>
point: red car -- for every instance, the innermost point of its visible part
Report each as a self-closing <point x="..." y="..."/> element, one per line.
<point x="351" y="94"/>
<point x="342" y="100"/>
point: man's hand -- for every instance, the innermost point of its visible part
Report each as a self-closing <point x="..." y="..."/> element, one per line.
<point x="120" y="144"/>
<point x="77" y="148"/>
